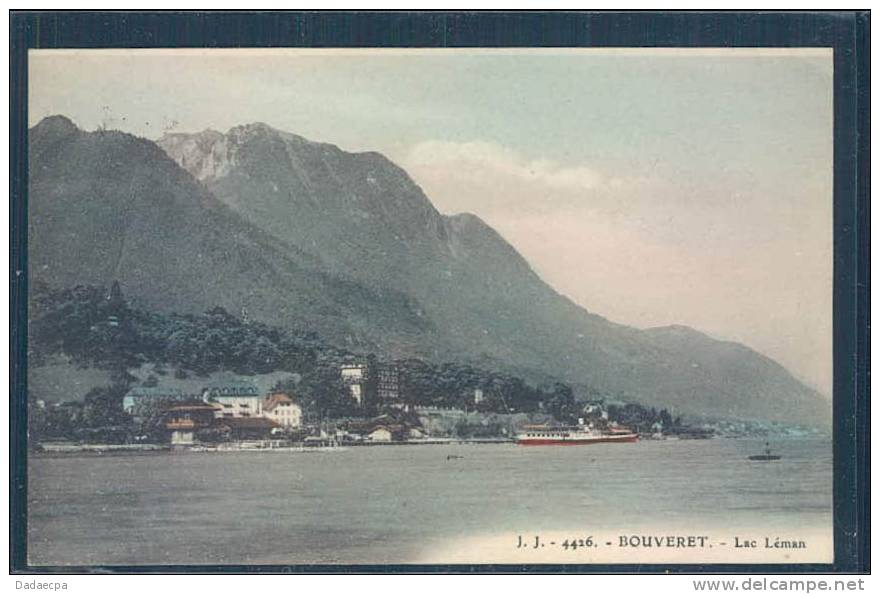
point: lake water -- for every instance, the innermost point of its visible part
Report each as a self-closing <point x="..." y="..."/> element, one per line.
<point x="411" y="504"/>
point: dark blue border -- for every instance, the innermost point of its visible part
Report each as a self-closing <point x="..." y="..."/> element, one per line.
<point x="847" y="32"/>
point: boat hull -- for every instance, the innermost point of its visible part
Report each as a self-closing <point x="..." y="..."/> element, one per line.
<point x="573" y="441"/>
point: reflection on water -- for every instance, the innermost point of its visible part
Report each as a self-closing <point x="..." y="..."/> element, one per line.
<point x="396" y="504"/>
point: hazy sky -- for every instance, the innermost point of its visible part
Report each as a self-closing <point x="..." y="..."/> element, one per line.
<point x="651" y="186"/>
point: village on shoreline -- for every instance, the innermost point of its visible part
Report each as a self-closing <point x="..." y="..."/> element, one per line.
<point x="236" y="416"/>
<point x="160" y="389"/>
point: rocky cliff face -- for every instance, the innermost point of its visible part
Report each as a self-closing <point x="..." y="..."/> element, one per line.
<point x="346" y="243"/>
<point x="360" y="212"/>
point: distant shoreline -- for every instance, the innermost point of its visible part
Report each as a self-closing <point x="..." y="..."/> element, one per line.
<point x="59" y="449"/>
<point x="49" y="449"/>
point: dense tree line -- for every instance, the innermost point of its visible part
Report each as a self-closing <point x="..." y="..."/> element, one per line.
<point x="97" y="327"/>
<point x="642" y="418"/>
<point x="454" y="385"/>
<point x="98" y="418"/>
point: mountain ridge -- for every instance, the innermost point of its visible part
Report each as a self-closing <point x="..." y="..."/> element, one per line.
<point x="124" y="242"/>
<point x="463" y="292"/>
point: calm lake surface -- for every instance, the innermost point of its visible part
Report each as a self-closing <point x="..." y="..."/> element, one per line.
<point x="392" y="504"/>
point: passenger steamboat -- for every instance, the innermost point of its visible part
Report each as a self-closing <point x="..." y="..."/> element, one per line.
<point x="534" y="435"/>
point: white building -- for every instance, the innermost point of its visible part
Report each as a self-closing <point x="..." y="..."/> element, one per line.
<point x="354" y="376"/>
<point x="235" y="400"/>
<point x="156" y="395"/>
<point x="280" y="408"/>
<point x="381" y="434"/>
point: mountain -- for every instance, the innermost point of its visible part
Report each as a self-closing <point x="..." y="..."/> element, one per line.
<point x="107" y="206"/>
<point x="304" y="233"/>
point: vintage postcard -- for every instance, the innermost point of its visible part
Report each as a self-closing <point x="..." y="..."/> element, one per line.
<point x="429" y="306"/>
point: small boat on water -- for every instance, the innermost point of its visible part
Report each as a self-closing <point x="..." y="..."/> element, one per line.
<point x="766" y="456"/>
<point x="573" y="435"/>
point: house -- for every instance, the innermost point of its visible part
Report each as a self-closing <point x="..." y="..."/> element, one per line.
<point x="380" y="433"/>
<point x="182" y="421"/>
<point x="236" y="400"/>
<point x="372" y="383"/>
<point x="355" y="427"/>
<point x="387" y="383"/>
<point x="158" y="396"/>
<point x="387" y="433"/>
<point x="356" y="377"/>
<point x="595" y="409"/>
<point x="386" y="427"/>
<point x="246" y="428"/>
<point x="281" y="408"/>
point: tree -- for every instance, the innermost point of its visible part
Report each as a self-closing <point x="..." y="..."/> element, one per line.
<point x="103" y="407"/>
<point x="150" y="412"/>
<point x="560" y="402"/>
<point x="324" y="392"/>
<point x="54" y="421"/>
